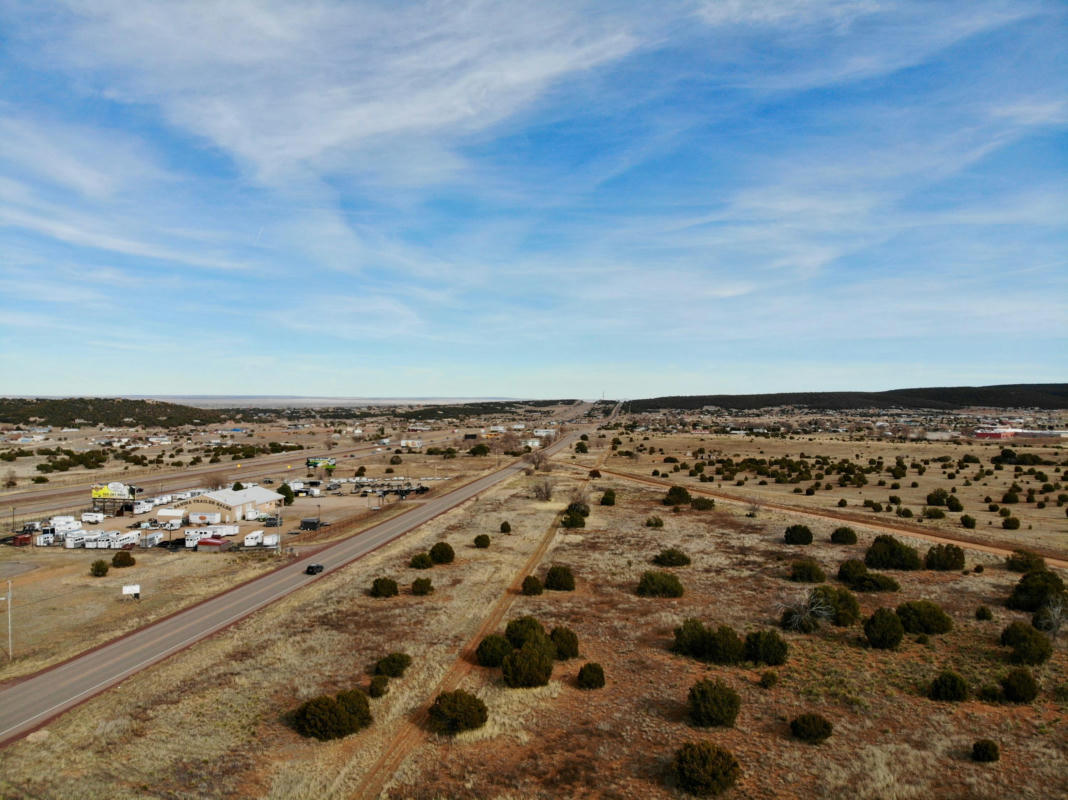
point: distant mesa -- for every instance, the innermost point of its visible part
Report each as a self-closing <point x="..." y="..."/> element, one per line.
<point x="1047" y="396"/>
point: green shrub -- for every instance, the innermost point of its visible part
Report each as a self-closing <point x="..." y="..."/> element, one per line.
<point x="1010" y="524"/>
<point x="923" y="616"/>
<point x="934" y="513"/>
<point x="954" y="504"/>
<point x="944" y="557"/>
<point x="393" y="665"/>
<point x="659" y="584"/>
<point x="702" y="504"/>
<point x="323" y="718"/>
<point x="843" y="503"/>
<point x="455" y="712"/>
<point x="807" y="571"/>
<point x="798" y="534"/>
<point x="1029" y="646"/>
<point x="379" y="685"/>
<point x="422" y="586"/>
<point x="884" y="629"/>
<point x="875" y="582"/>
<point x="521" y="630"/>
<point x="713" y="703"/>
<point x="849" y="572"/>
<point x="608" y="498"/>
<point x="1010" y="498"/>
<point x="676" y="496"/>
<point x="354" y="703"/>
<point x="532" y="586"/>
<point x="967" y="521"/>
<point x="854" y="573"/>
<point x="482" y="541"/>
<point x="672" y="557"/>
<point x="1019" y="686"/>
<point x="421" y="561"/>
<point x="811" y="728"/>
<point x="590" y="676"/>
<point x="984" y="614"/>
<point x="566" y="643"/>
<point x="844" y="535"/>
<point x="572" y="520"/>
<point x="1034" y="590"/>
<point x="506" y="527"/>
<point x="844" y="608"/>
<point x="654" y="522"/>
<point x="123" y="558"/>
<point x="99" y="568"/>
<point x="704" y="769"/>
<point x="529" y="666"/>
<point x="886" y="552"/>
<point x="721" y="646"/>
<point x="985" y="751"/>
<point x="768" y="679"/>
<point x="948" y="687"/>
<point x="766" y="647"/>
<point x="578" y="507"/>
<point x="559" y="579"/>
<point x="492" y="650"/>
<point x="384" y="587"/>
<point x="1025" y="561"/>
<point x="442" y="553"/>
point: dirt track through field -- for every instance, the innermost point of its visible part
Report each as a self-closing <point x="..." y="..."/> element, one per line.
<point x="413" y="730"/>
<point x="1053" y="558"/>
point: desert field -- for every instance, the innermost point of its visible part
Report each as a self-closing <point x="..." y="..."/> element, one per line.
<point x="214" y="721"/>
<point x="1045" y="528"/>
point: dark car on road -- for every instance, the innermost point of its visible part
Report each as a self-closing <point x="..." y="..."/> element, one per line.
<point x="313" y="569"/>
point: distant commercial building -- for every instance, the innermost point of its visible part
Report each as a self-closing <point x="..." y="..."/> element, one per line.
<point x="235" y="506"/>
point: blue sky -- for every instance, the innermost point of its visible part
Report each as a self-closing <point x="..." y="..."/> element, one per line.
<point x="531" y="199"/>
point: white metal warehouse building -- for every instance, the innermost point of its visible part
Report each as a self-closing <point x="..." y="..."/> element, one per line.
<point x="235" y="506"/>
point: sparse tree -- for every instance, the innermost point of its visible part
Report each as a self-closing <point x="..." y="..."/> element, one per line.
<point x="543" y="491"/>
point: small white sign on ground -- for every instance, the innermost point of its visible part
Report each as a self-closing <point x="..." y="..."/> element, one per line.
<point x="131" y="589"/>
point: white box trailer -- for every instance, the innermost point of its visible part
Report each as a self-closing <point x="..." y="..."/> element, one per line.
<point x="167" y="513"/>
<point x="93" y="517"/>
<point x="218" y="531"/>
<point x="61" y="520"/>
<point x="162" y="500"/>
<point x="194" y="536"/>
<point x="74" y="539"/>
<point x="151" y="539"/>
<point x="44" y="539"/>
<point x="253" y="539"/>
<point x="123" y="539"/>
<point x="270" y="540"/>
<point x="294" y="485"/>
<point x="171" y="525"/>
<point x="142" y="506"/>
<point x="204" y="517"/>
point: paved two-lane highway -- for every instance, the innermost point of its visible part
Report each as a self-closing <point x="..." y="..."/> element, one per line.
<point x="29" y="703"/>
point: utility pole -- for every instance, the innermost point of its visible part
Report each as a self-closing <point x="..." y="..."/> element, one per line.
<point x="10" y="649"/>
